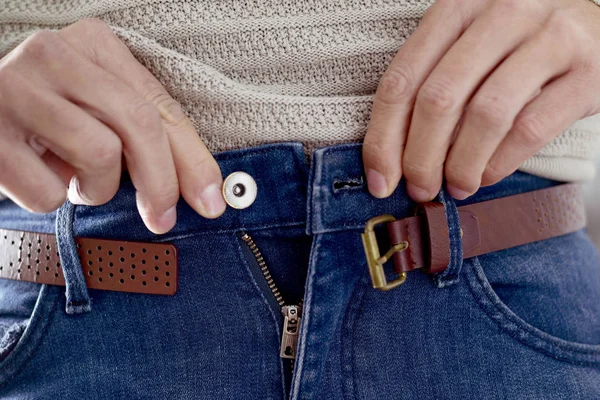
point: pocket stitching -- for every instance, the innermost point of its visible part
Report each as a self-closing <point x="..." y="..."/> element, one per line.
<point x="521" y="330"/>
<point x="27" y="345"/>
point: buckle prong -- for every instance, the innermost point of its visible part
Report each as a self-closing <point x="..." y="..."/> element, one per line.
<point x="374" y="259"/>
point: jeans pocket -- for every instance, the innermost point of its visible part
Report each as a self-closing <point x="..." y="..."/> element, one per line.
<point x="544" y="294"/>
<point x="25" y="311"/>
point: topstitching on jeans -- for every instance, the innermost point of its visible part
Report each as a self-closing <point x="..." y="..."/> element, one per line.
<point x="516" y="327"/>
<point x="78" y="298"/>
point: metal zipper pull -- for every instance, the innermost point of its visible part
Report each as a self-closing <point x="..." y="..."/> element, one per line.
<point x="291" y="327"/>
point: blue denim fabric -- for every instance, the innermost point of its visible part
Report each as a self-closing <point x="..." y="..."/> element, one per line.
<point x="78" y="299"/>
<point x="522" y="323"/>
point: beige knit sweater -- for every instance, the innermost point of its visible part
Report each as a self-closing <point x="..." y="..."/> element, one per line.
<point x="257" y="71"/>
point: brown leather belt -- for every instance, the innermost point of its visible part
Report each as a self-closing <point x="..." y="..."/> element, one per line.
<point x="422" y="242"/>
<point x="107" y="264"/>
<point x="419" y="242"/>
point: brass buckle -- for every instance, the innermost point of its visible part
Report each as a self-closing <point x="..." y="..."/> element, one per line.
<point x="374" y="260"/>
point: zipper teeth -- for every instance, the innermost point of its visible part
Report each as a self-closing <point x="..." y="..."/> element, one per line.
<point x="264" y="268"/>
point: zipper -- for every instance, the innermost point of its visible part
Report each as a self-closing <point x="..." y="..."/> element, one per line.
<point x="292" y="314"/>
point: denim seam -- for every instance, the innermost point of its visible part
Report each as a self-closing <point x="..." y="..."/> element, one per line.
<point x="31" y="339"/>
<point x="519" y="329"/>
<point x="357" y="305"/>
<point x="306" y="319"/>
<point x="260" y="292"/>
<point x="315" y="182"/>
<point x="312" y="208"/>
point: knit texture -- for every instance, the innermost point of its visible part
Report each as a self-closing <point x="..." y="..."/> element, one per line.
<point x="257" y="71"/>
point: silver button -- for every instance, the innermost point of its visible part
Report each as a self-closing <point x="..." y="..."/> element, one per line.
<point x="239" y="190"/>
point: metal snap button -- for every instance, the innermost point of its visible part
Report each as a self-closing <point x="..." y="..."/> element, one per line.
<point x="239" y="190"/>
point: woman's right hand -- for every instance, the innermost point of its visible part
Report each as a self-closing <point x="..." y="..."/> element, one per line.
<point x="72" y="104"/>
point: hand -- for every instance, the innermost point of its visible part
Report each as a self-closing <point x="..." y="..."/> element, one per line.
<point x="73" y="103"/>
<point x="480" y="87"/>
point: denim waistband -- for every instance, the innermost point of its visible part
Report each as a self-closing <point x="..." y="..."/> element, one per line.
<point x="328" y="195"/>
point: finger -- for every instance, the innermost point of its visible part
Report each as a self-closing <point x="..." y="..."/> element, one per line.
<point x="27" y="181"/>
<point x="392" y="106"/>
<point x="90" y="147"/>
<point x="443" y="96"/>
<point x="62" y="169"/>
<point x="199" y="174"/>
<point x="493" y="109"/>
<point x="559" y="104"/>
<point x="200" y="178"/>
<point x="138" y="124"/>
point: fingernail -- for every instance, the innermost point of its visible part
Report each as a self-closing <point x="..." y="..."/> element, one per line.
<point x="212" y="201"/>
<point x="75" y="194"/>
<point x="35" y="144"/>
<point x="457" y="193"/>
<point x="377" y="183"/>
<point x="418" y="194"/>
<point x="167" y="221"/>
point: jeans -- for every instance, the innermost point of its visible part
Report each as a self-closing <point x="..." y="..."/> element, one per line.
<point x="522" y="323"/>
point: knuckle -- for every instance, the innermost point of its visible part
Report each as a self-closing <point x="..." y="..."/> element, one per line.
<point x="373" y="149"/>
<point x="61" y="120"/>
<point x="529" y="130"/>
<point x="462" y="176"/>
<point x="104" y="155"/>
<point x="448" y="4"/>
<point x="41" y="45"/>
<point x="47" y="200"/>
<point x="383" y="157"/>
<point x="455" y="11"/>
<point x="145" y="115"/>
<point x="416" y="171"/>
<point x="513" y="6"/>
<point x="437" y="98"/>
<point x="166" y="195"/>
<point x="199" y="170"/>
<point x="492" y="174"/>
<point x="561" y="23"/>
<point x="491" y="110"/>
<point x="396" y="85"/>
<point x="205" y="165"/>
<point x="94" y="24"/>
<point x="99" y="37"/>
<point x="197" y="175"/>
<point x="169" y="110"/>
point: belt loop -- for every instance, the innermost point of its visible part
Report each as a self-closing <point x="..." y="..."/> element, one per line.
<point x="450" y="275"/>
<point x="78" y="299"/>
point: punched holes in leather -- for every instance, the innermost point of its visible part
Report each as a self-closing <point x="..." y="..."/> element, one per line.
<point x="122" y="266"/>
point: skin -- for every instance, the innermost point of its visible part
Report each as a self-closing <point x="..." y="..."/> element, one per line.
<point x="479" y="88"/>
<point x="76" y="108"/>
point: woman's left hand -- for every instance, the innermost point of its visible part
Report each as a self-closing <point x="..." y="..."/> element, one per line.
<point x="477" y="89"/>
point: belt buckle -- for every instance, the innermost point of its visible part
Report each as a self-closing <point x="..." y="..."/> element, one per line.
<point x="375" y="261"/>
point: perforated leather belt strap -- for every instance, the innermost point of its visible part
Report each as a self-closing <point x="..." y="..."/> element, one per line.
<point x="107" y="264"/>
<point x="487" y="226"/>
